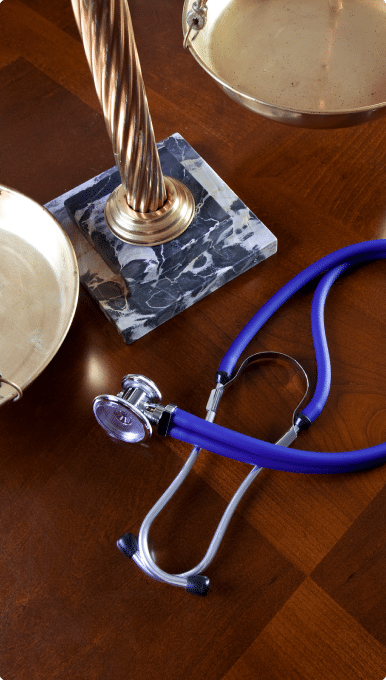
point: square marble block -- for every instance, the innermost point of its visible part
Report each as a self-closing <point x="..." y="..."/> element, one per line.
<point x="140" y="287"/>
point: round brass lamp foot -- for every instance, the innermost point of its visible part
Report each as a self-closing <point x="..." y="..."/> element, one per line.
<point x="151" y="228"/>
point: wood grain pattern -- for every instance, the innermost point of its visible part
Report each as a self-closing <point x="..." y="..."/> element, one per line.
<point x="309" y="636"/>
<point x="298" y="584"/>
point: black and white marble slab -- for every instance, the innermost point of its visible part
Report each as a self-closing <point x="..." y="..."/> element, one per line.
<point x="140" y="287"/>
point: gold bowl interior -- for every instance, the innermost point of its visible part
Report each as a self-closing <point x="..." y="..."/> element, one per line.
<point x="39" y="285"/>
<point x="312" y="63"/>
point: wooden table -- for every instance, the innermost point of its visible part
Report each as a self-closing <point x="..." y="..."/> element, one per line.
<point x="298" y="586"/>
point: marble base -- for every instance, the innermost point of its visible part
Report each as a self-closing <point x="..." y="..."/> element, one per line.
<point x="138" y="288"/>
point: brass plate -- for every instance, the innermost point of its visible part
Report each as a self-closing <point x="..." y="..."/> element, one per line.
<point x="39" y="286"/>
<point x="312" y="63"/>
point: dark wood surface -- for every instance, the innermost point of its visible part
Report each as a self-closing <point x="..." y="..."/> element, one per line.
<point x="298" y="586"/>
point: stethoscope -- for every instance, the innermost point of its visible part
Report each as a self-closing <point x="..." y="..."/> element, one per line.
<point x="129" y="416"/>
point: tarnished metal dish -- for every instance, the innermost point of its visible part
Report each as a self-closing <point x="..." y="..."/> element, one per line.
<point x="311" y="63"/>
<point x="39" y="286"/>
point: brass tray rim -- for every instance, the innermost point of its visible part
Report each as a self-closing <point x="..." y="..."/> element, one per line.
<point x="277" y="111"/>
<point x="277" y="107"/>
<point x="72" y="294"/>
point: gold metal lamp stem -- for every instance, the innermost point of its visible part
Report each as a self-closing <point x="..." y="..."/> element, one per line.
<point x="147" y="208"/>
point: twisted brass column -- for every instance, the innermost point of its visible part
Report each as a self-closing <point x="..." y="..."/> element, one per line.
<point x="147" y="208"/>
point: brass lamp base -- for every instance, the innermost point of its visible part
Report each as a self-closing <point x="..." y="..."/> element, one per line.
<point x="151" y="228"/>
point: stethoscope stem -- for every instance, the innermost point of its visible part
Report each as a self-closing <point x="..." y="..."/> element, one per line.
<point x="142" y="556"/>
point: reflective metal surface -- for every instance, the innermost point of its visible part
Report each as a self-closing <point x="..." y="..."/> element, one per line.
<point x="39" y="287"/>
<point x="151" y="228"/>
<point x="310" y="63"/>
<point x="108" y="39"/>
<point x="147" y="209"/>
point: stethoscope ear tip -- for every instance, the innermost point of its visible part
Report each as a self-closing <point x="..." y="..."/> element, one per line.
<point x="128" y="545"/>
<point x="197" y="585"/>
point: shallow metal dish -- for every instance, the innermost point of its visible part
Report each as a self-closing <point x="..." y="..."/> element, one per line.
<point x="310" y="63"/>
<point x="39" y="286"/>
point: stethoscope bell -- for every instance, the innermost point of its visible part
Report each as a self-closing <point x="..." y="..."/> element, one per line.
<point x="128" y="416"/>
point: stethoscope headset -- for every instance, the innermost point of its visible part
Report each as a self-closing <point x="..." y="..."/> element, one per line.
<point x="129" y="416"/>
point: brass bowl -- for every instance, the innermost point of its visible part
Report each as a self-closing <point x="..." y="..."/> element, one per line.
<point x="39" y="285"/>
<point x="309" y="63"/>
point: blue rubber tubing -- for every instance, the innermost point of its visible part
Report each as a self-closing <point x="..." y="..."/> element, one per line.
<point x="351" y="255"/>
<point x="226" y="442"/>
<point x="323" y="383"/>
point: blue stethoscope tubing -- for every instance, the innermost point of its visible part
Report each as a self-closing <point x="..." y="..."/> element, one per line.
<point x="223" y="441"/>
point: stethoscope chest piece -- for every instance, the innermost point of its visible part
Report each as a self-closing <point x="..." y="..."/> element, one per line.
<point x="127" y="416"/>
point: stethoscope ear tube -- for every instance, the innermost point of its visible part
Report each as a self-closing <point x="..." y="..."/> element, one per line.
<point x="316" y="405"/>
<point x="212" y="437"/>
<point x="348" y="256"/>
<point x="196" y="431"/>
